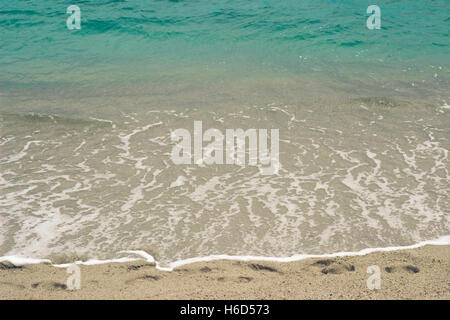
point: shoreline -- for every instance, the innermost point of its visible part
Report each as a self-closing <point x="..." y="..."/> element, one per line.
<point x="409" y="273"/>
<point x="17" y="260"/>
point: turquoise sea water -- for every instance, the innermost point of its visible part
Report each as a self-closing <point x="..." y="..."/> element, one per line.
<point x="86" y="118"/>
<point x="161" y="41"/>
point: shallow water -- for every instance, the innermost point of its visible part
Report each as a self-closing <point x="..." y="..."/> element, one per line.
<point x="86" y="118"/>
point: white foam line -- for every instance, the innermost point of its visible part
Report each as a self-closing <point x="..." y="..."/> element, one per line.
<point x="445" y="240"/>
<point x="17" y="260"/>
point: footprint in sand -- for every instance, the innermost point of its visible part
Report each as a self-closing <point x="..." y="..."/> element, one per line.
<point x="260" y="267"/>
<point x="9" y="266"/>
<point x="409" y="268"/>
<point x="144" y="277"/>
<point x="239" y="279"/>
<point x="139" y="266"/>
<point x="49" y="285"/>
<point x="334" y="267"/>
<point x="245" y="279"/>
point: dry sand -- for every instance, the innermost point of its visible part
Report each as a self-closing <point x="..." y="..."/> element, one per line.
<point x="422" y="273"/>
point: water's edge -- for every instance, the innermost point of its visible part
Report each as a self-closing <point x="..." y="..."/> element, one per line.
<point x="18" y="260"/>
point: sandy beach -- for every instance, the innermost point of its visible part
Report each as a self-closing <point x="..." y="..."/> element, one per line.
<point x="422" y="273"/>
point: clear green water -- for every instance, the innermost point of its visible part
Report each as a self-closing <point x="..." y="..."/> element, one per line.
<point x="363" y="117"/>
<point x="128" y="42"/>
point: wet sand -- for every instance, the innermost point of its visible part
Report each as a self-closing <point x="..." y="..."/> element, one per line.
<point x="421" y="273"/>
